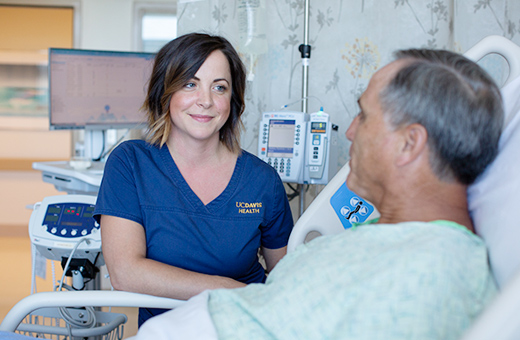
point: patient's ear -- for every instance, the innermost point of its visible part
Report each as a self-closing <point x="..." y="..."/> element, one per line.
<point x="414" y="144"/>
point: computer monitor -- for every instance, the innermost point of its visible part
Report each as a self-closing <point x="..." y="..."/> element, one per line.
<point x="92" y="89"/>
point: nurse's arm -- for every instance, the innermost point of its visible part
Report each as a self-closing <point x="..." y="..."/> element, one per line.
<point x="124" y="250"/>
<point x="272" y="256"/>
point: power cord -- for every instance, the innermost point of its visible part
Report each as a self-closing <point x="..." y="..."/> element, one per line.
<point x="283" y="107"/>
<point x="66" y="267"/>
<point x="101" y="153"/>
<point x="64" y="312"/>
<point x="295" y="193"/>
<point x="113" y="146"/>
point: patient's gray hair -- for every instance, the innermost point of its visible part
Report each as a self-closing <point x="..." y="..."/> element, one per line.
<point x="456" y="101"/>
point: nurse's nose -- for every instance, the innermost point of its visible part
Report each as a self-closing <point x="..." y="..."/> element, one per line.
<point x="205" y="99"/>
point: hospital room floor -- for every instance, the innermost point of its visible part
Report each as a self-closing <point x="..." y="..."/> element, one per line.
<point x="15" y="264"/>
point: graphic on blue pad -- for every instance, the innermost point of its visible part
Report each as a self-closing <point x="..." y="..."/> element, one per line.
<point x="349" y="207"/>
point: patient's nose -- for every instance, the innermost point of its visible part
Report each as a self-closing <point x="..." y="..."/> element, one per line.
<point x="351" y="131"/>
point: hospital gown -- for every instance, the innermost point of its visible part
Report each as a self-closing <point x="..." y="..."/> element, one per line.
<point x="411" y="280"/>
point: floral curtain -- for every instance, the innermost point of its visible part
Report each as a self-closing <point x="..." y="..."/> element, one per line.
<point x="350" y="40"/>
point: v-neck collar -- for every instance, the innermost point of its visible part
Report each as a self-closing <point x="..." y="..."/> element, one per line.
<point x="190" y="195"/>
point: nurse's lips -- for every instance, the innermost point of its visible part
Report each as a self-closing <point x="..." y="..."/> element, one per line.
<point x="201" y="118"/>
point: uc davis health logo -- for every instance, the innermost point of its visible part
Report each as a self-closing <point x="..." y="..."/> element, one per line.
<point x="249" y="208"/>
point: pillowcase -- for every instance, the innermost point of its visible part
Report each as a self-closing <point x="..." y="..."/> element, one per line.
<point x="494" y="199"/>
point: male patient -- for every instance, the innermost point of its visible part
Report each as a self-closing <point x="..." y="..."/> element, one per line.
<point x="429" y="124"/>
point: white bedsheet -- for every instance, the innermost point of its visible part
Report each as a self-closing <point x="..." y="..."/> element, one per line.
<point x="189" y="321"/>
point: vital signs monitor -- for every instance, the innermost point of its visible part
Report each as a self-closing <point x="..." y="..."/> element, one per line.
<point x="302" y="148"/>
<point x="62" y="228"/>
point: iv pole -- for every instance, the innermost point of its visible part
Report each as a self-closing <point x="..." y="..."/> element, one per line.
<point x="305" y="50"/>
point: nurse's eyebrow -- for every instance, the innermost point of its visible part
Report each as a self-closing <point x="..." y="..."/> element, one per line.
<point x="214" y="80"/>
<point x="221" y="79"/>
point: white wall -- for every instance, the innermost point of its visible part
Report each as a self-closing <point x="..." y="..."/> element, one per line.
<point x="106" y="24"/>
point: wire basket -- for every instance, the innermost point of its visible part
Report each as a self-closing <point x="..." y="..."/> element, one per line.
<point x="73" y="324"/>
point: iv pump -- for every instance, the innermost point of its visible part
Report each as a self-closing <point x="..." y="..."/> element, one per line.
<point x="301" y="147"/>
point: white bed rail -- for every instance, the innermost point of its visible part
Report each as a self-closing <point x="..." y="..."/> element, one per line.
<point x="79" y="299"/>
<point x="319" y="217"/>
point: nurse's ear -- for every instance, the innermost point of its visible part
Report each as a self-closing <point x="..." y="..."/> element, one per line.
<point x="414" y="144"/>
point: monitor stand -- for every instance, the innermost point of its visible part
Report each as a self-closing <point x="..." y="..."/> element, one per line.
<point x="94" y="143"/>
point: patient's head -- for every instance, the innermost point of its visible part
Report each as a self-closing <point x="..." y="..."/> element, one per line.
<point x="456" y="101"/>
<point x="429" y="124"/>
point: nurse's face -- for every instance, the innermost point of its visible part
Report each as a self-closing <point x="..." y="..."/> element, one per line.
<point x="201" y="107"/>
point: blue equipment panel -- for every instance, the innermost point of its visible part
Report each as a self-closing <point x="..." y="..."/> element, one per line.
<point x="70" y="220"/>
<point x="349" y="207"/>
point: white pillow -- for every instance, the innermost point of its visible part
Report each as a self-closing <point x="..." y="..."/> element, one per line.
<point x="494" y="199"/>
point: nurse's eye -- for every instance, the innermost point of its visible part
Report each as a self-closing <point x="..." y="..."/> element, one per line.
<point x="220" y="88"/>
<point x="190" y="85"/>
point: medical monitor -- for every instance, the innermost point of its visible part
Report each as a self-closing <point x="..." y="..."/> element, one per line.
<point x="281" y="138"/>
<point x="97" y="89"/>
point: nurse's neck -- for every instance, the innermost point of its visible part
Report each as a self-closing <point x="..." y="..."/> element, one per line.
<point x="195" y="153"/>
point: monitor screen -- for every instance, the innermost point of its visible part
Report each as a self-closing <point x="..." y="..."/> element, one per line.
<point x="97" y="89"/>
<point x="281" y="138"/>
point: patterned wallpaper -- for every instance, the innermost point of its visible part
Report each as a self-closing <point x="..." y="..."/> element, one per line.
<point x="350" y="40"/>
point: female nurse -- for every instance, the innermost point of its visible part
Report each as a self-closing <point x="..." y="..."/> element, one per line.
<point x="187" y="210"/>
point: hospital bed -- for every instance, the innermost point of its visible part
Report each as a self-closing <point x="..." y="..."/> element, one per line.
<point x="492" y="200"/>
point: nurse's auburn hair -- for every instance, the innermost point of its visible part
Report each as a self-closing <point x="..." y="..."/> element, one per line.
<point x="175" y="64"/>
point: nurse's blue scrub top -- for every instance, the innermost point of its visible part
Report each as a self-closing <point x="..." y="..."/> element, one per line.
<point x="142" y="183"/>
